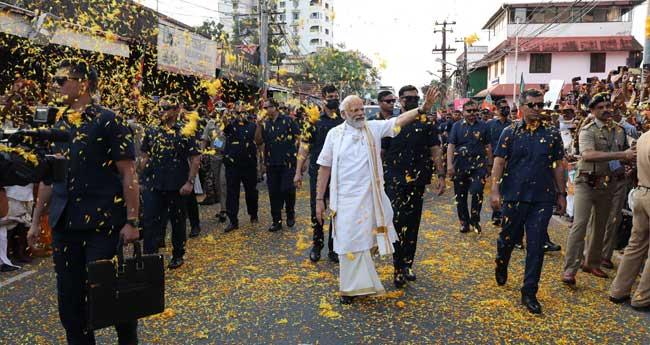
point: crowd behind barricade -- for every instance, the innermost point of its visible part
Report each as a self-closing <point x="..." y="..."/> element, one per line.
<point x="131" y="169"/>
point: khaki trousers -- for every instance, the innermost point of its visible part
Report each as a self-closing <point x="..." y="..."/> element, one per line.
<point x="635" y="253"/>
<point x="587" y="198"/>
<point x="615" y="218"/>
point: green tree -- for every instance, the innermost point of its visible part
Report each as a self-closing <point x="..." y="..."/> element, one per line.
<point x="214" y="30"/>
<point x="349" y="70"/>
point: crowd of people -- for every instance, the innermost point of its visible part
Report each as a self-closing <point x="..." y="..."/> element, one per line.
<point x="127" y="172"/>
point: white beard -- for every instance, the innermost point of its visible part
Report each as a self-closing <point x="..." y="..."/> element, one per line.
<point x="355" y="124"/>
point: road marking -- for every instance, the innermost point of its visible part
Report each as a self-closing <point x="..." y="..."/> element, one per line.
<point x="16" y="278"/>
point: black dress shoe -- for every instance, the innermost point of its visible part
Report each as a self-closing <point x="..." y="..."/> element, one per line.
<point x="399" y="280"/>
<point x="346" y="299"/>
<point x="619" y="300"/>
<point x="531" y="303"/>
<point x="519" y="246"/>
<point x="333" y="257"/>
<point x="410" y="275"/>
<point x="464" y="229"/>
<point x="8" y="268"/>
<point x="501" y="273"/>
<point x="551" y="247"/>
<point x="208" y="201"/>
<point x="221" y="217"/>
<point x="477" y="228"/>
<point x="645" y="308"/>
<point x="175" y="263"/>
<point x="195" y="232"/>
<point x="231" y="227"/>
<point x="254" y="220"/>
<point x="314" y="254"/>
<point x="291" y="222"/>
<point x="275" y="227"/>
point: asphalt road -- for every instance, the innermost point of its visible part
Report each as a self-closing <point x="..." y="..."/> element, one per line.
<point x="255" y="287"/>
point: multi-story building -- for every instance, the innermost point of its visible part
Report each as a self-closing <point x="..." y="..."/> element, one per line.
<point x="309" y="24"/>
<point x="558" y="40"/>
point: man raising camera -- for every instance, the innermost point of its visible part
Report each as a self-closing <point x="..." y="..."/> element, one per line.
<point x="96" y="205"/>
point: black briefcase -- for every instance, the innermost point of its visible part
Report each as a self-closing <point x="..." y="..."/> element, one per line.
<point x="125" y="289"/>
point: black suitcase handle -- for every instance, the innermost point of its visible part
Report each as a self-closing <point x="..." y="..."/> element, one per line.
<point x="137" y="252"/>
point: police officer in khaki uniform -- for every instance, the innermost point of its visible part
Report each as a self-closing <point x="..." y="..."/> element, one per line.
<point x="603" y="146"/>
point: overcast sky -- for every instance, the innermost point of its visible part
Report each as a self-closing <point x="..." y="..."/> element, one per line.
<point x="398" y="33"/>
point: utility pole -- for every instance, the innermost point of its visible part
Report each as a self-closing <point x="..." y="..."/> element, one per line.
<point x="264" y="42"/>
<point x="444" y="48"/>
<point x="464" y="77"/>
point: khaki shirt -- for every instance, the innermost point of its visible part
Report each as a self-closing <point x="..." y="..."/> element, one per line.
<point x="597" y="136"/>
<point x="643" y="160"/>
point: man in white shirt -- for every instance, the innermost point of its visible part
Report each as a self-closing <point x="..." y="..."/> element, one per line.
<point x="361" y="211"/>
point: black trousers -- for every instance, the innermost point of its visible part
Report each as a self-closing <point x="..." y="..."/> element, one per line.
<point x="318" y="237"/>
<point x="406" y="201"/>
<point x="158" y="207"/>
<point x="471" y="182"/>
<point x="236" y="175"/>
<point x="533" y="218"/>
<point x="192" y="207"/>
<point x="282" y="192"/>
<point x="72" y="251"/>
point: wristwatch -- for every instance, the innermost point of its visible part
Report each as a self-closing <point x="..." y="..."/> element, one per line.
<point x="422" y="111"/>
<point x="132" y="222"/>
<point x="191" y="181"/>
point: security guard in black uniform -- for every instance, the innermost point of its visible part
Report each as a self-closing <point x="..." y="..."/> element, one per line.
<point x="98" y="203"/>
<point x="240" y="159"/>
<point x="529" y="178"/>
<point x="468" y="147"/>
<point x="170" y="164"/>
<point x="408" y="168"/>
<point x="279" y="134"/>
<point x="312" y="140"/>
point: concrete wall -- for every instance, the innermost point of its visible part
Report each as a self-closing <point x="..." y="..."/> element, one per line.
<point x="563" y="66"/>
<point x="572" y="30"/>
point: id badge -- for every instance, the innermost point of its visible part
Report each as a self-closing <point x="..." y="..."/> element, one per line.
<point x="614" y="165"/>
<point x="218" y="144"/>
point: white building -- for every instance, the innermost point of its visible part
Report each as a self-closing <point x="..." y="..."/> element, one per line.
<point x="308" y="24"/>
<point x="558" y="40"/>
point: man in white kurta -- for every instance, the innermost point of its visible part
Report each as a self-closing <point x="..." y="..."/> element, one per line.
<point x="362" y="213"/>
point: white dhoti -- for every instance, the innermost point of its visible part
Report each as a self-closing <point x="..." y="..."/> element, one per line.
<point x="359" y="203"/>
<point x="358" y="276"/>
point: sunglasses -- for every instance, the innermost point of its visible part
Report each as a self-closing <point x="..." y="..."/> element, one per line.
<point x="411" y="98"/>
<point x="538" y="105"/>
<point x="60" y="80"/>
<point x="389" y="101"/>
<point x="471" y="111"/>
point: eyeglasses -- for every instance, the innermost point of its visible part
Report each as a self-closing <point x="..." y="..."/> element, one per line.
<point x="471" y="111"/>
<point x="60" y="80"/>
<point x="411" y="98"/>
<point x="539" y="105"/>
<point x="389" y="101"/>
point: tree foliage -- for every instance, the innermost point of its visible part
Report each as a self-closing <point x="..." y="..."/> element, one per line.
<point x="349" y="70"/>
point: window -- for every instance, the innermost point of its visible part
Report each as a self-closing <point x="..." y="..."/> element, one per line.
<point x="282" y="17"/>
<point x="327" y="31"/>
<point x="296" y="3"/>
<point x="295" y="29"/>
<point x="296" y="15"/>
<point x="327" y="5"/>
<point x="596" y="15"/>
<point x="540" y="63"/>
<point x="314" y="2"/>
<point x="315" y="42"/>
<point x="503" y="65"/>
<point x="283" y="4"/>
<point x="314" y="28"/>
<point x="519" y="14"/>
<point x="597" y="63"/>
<point x="315" y="15"/>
